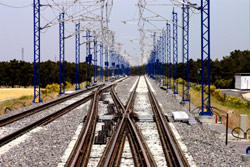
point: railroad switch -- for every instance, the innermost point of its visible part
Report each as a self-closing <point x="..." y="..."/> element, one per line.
<point x="106" y="132"/>
<point x="102" y="97"/>
<point x="105" y="102"/>
<point x="111" y="108"/>
<point x="100" y="138"/>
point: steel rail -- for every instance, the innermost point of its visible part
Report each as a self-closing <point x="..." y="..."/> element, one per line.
<point x="112" y="153"/>
<point x="47" y="119"/>
<point x="133" y="150"/>
<point x="118" y="156"/>
<point x="82" y="149"/>
<point x="43" y="120"/>
<point x="118" y="104"/>
<point x="112" y="150"/>
<point x="80" y="154"/>
<point x="174" y="155"/>
<point x="143" y="153"/>
<point x="16" y="117"/>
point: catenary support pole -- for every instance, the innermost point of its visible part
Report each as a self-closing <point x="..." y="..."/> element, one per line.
<point x="185" y="52"/>
<point x="61" y="54"/>
<point x="88" y="59"/>
<point x="168" y="56"/>
<point x="77" y="54"/>
<point x="95" y="60"/>
<point x="106" y="63"/>
<point x="205" y="58"/>
<point x="101" y="62"/>
<point x="175" y="53"/>
<point x="37" y="28"/>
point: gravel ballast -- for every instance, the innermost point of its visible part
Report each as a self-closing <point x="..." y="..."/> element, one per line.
<point x="46" y="146"/>
<point x="123" y="89"/>
<point x="202" y="143"/>
<point x="7" y="129"/>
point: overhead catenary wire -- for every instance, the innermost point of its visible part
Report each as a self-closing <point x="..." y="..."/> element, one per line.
<point x="10" y="6"/>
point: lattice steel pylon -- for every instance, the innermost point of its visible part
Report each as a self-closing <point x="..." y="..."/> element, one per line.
<point x="160" y="60"/>
<point x="88" y="59"/>
<point x="101" y="62"/>
<point x="175" y="53"/>
<point x="205" y="58"/>
<point x="164" y="58"/>
<point x="157" y="60"/>
<point x="95" y="60"/>
<point x="185" y="52"/>
<point x="168" y="56"/>
<point x="154" y="56"/>
<point x="61" y="54"/>
<point x="77" y="54"/>
<point x="106" y="64"/>
<point x="36" y="16"/>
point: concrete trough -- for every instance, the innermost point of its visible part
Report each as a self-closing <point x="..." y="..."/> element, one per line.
<point x="180" y="116"/>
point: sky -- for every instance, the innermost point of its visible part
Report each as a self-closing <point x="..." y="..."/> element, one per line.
<point x="229" y="29"/>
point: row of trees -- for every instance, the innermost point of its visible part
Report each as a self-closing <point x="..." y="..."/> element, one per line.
<point x="222" y="71"/>
<point x="20" y="73"/>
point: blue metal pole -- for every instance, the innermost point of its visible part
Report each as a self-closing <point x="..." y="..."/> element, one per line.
<point x="37" y="28"/>
<point x="175" y="53"/>
<point x="165" y="59"/>
<point x="185" y="52"/>
<point x="88" y="59"/>
<point x="61" y="53"/>
<point x="157" y="61"/>
<point x="205" y="58"/>
<point x="198" y="71"/>
<point x="95" y="61"/>
<point x="112" y="53"/>
<point x="77" y="53"/>
<point x="161" y="60"/>
<point x="106" y="64"/>
<point x="154" y="57"/>
<point x="168" y="56"/>
<point x="118" y="65"/>
<point x="101" y="62"/>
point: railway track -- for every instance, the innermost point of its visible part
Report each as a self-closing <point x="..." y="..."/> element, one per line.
<point x="126" y="127"/>
<point x="82" y="149"/>
<point x="21" y="115"/>
<point x="172" y="151"/>
<point x="51" y="117"/>
<point x="141" y="153"/>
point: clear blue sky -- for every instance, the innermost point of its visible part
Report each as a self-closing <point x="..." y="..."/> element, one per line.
<point x="229" y="30"/>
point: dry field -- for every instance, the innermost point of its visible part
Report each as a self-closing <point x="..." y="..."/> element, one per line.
<point x="13" y="93"/>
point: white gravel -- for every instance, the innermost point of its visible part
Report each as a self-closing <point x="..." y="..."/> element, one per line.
<point x="148" y="129"/>
<point x="29" y="107"/>
<point x="202" y="143"/>
<point x="124" y="87"/>
<point x="7" y="129"/>
<point x="127" y="157"/>
<point x="47" y="146"/>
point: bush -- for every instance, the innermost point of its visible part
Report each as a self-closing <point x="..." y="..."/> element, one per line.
<point x="25" y="97"/>
<point x="53" y="87"/>
<point x="224" y="84"/>
<point x="197" y="88"/>
<point x="235" y="100"/>
<point x="68" y="85"/>
<point x="181" y="81"/>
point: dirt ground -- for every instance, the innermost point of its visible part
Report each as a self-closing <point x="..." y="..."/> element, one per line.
<point x="10" y="93"/>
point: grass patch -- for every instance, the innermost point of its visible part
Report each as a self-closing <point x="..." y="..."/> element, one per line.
<point x="17" y="103"/>
<point x="234" y="110"/>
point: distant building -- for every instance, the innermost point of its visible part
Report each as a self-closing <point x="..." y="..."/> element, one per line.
<point x="242" y="81"/>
